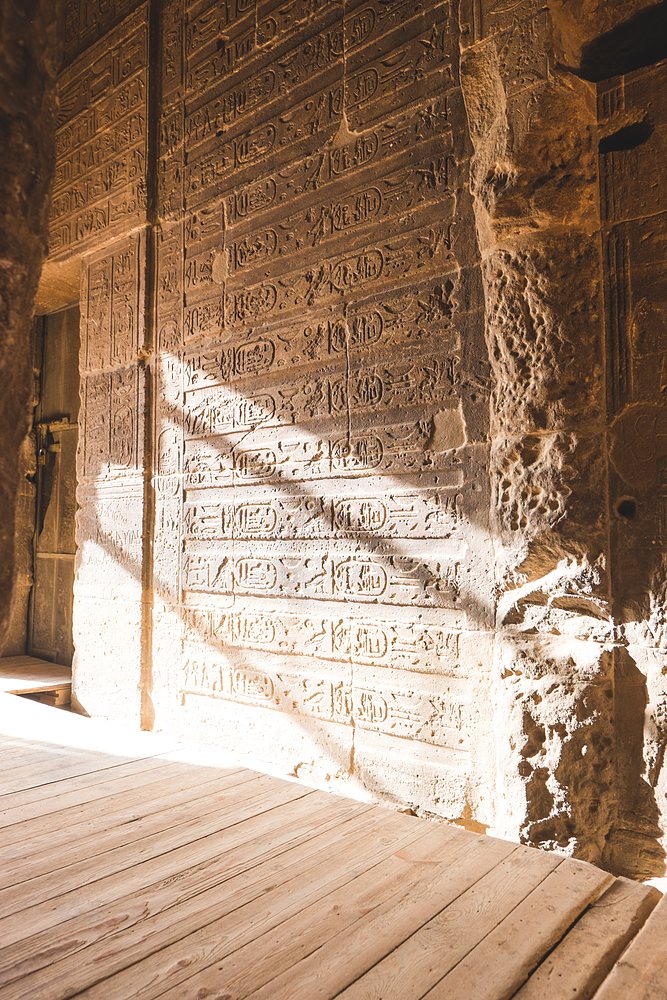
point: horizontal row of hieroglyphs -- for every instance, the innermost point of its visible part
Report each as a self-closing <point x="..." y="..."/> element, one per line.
<point x="207" y="23"/>
<point x="225" y="51"/>
<point x="221" y="409"/>
<point x="428" y="249"/>
<point x="479" y="20"/>
<point x="428" y="718"/>
<point x="398" y="645"/>
<point x="430" y="514"/>
<point x="328" y="570"/>
<point x="122" y="211"/>
<point x="398" y="449"/>
<point x="408" y="140"/>
<point x="108" y="65"/>
<point x="416" y="316"/>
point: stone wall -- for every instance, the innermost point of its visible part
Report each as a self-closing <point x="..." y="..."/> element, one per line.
<point x="348" y="368"/>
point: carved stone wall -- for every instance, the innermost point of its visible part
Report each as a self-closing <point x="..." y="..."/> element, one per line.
<point x="322" y="398"/>
<point x="633" y="147"/>
<point x="99" y="189"/>
<point x="534" y="183"/>
<point x="352" y="339"/>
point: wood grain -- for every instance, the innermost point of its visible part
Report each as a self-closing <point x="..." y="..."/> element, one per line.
<point x="641" y="972"/>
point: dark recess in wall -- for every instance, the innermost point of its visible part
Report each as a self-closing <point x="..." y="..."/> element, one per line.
<point x="639" y="41"/>
<point x="628" y="137"/>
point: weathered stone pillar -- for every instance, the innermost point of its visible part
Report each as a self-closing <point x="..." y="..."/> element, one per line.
<point x="111" y="599"/>
<point x="29" y="57"/>
<point x="534" y="184"/>
<point x="99" y="224"/>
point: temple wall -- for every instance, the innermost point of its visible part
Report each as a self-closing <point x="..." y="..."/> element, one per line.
<point x="347" y="379"/>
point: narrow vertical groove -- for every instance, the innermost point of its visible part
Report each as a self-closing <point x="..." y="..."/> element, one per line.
<point x="150" y="341"/>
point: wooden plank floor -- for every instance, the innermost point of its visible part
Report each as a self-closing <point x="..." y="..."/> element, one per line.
<point x="132" y="868"/>
<point x="28" y="675"/>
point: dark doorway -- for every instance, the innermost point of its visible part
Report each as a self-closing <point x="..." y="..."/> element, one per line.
<point x="54" y="547"/>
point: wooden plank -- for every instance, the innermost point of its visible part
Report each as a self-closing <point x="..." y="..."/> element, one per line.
<point x="23" y="686"/>
<point x="330" y="969"/>
<point x="580" y="962"/>
<point x="273" y="953"/>
<point x="19" y="897"/>
<point x="16" y="757"/>
<point x="257" y="839"/>
<point x="163" y="914"/>
<point x="641" y="972"/>
<point x="501" y="963"/>
<point x="283" y="892"/>
<point x="26" y="673"/>
<point x="439" y="944"/>
<point x="207" y="798"/>
<point x="38" y="801"/>
<point x="57" y="813"/>
<point x="75" y="831"/>
<point x="72" y="765"/>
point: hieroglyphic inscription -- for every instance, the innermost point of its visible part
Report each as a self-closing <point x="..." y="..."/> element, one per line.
<point x="220" y="143"/>
<point x="424" y="715"/>
<point x="222" y="409"/>
<point x="252" y="244"/>
<point x="338" y="571"/>
<point x="397" y="449"/>
<point x="112" y="422"/>
<point x="425" y="250"/>
<point x="425" y="514"/>
<point x="110" y="531"/>
<point x="313" y="476"/>
<point x="423" y="646"/>
<point x="113" y="317"/>
<point x="100" y="179"/>
<point x="482" y="18"/>
<point x="416" y="319"/>
<point x="87" y="20"/>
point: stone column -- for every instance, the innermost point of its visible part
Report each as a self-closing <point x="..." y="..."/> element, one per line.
<point x="534" y="184"/>
<point x="29" y="57"/>
<point x="110" y="587"/>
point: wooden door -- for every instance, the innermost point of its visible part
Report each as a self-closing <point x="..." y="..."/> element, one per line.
<point x="50" y="625"/>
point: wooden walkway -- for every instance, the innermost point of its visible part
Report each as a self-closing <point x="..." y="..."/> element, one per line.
<point x="133" y="869"/>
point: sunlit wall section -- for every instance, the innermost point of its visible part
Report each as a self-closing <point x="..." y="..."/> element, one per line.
<point x="321" y="530"/>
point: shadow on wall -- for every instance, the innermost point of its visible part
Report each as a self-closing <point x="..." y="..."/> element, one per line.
<point x="638" y="42"/>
